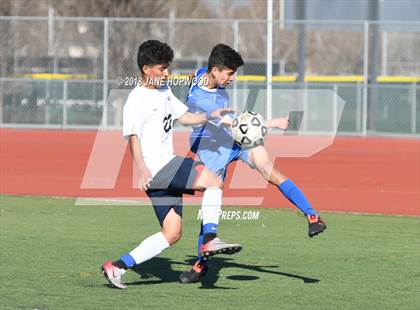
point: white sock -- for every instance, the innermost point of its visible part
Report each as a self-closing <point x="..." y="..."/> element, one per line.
<point x="211" y="205"/>
<point x="149" y="248"/>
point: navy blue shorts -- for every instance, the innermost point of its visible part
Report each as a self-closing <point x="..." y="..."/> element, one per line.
<point x="176" y="178"/>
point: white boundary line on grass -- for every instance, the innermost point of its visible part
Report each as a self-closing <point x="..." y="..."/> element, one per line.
<point x="227" y="201"/>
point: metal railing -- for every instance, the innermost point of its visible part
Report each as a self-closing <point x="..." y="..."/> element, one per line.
<point x="85" y="56"/>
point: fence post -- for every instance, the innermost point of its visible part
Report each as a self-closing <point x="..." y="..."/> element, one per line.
<point x="65" y="96"/>
<point x="105" y="74"/>
<point x="303" y="100"/>
<point x="413" y="108"/>
<point x="47" y="101"/>
<point x="1" y="100"/>
<point x="335" y="109"/>
<point x="358" y="107"/>
<point x="365" y="76"/>
<point x="269" y="58"/>
<point x="384" y="53"/>
<point x="236" y="47"/>
<point x="171" y="19"/>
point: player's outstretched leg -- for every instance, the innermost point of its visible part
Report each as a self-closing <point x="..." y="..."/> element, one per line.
<point x="210" y="211"/>
<point x="259" y="158"/>
<point x="147" y="249"/>
<point x="315" y="224"/>
<point x="208" y="242"/>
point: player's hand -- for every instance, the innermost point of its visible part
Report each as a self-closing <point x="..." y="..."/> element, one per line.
<point x="281" y="123"/>
<point x="221" y="112"/>
<point x="226" y="120"/>
<point x="145" y="179"/>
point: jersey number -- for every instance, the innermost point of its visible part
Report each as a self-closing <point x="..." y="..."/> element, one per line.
<point x="167" y="123"/>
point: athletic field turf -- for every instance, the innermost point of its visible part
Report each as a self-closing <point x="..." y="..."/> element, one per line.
<point x="51" y="252"/>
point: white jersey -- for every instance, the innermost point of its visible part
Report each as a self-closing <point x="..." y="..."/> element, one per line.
<point x="150" y="114"/>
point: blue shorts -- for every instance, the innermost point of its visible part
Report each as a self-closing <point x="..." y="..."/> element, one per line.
<point x="172" y="181"/>
<point x="218" y="158"/>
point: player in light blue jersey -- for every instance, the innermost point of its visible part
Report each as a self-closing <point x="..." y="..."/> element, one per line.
<point x="215" y="147"/>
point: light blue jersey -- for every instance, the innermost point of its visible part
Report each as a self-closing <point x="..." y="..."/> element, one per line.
<point x="201" y="100"/>
<point x="213" y="145"/>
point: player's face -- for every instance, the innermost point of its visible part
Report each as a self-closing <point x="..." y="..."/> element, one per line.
<point x="156" y="75"/>
<point x="224" y="76"/>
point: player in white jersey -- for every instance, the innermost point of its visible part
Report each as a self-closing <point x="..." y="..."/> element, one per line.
<point x="149" y="115"/>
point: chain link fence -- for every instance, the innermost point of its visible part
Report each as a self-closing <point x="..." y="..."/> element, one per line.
<point x="57" y="72"/>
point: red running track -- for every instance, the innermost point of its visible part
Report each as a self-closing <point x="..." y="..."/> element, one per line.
<point x="369" y="175"/>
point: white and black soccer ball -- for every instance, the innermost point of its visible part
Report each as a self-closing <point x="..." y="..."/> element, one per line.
<point x="248" y="129"/>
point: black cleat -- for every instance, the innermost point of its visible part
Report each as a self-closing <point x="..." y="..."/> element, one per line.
<point x="195" y="274"/>
<point x="316" y="225"/>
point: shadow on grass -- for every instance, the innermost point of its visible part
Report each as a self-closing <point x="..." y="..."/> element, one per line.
<point x="158" y="267"/>
<point x="161" y="268"/>
<point x="217" y="263"/>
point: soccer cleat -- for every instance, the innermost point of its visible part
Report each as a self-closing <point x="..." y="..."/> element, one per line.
<point x="218" y="246"/>
<point x="113" y="275"/>
<point x="195" y="274"/>
<point x="315" y="225"/>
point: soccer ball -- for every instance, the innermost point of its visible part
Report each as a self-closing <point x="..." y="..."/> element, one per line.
<point x="248" y="129"/>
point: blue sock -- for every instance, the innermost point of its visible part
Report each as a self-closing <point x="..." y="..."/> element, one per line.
<point x="209" y="228"/>
<point x="200" y="242"/>
<point x="295" y="196"/>
<point x="128" y="260"/>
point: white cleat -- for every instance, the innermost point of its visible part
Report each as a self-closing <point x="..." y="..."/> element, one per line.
<point x="218" y="246"/>
<point x="113" y="275"/>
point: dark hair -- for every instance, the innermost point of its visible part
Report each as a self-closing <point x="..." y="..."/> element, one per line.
<point x="224" y="56"/>
<point x="153" y="52"/>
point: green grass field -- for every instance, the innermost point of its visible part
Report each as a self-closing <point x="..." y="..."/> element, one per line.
<point x="51" y="252"/>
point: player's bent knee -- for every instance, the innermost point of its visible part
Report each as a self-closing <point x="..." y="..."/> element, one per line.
<point x="216" y="182"/>
<point x="172" y="237"/>
<point x="175" y="238"/>
<point x="208" y="179"/>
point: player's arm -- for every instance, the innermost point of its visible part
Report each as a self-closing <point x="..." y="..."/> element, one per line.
<point x="145" y="176"/>
<point x="189" y="118"/>
<point x="281" y="123"/>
